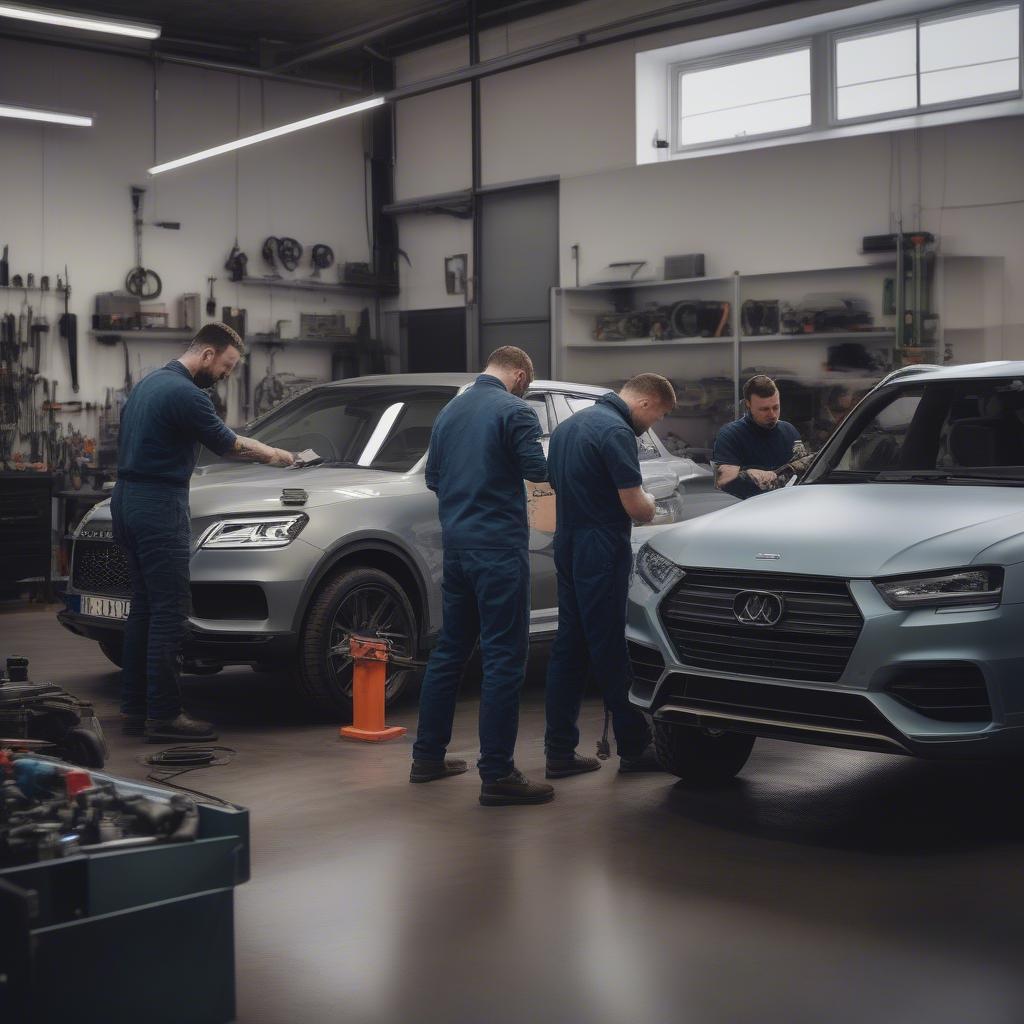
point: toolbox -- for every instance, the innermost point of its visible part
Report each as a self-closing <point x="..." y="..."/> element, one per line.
<point x="130" y="934"/>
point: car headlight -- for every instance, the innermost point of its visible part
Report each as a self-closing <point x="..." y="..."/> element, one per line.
<point x="656" y="570"/>
<point x="271" y="532"/>
<point x="959" y="587"/>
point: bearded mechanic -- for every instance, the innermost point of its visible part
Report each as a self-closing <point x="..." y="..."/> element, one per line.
<point x="166" y="418"/>
<point x="760" y="451"/>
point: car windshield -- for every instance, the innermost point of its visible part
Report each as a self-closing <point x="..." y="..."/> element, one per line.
<point x="386" y="427"/>
<point x="931" y="433"/>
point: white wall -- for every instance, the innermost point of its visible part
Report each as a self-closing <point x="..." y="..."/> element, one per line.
<point x="783" y="208"/>
<point x="64" y="195"/>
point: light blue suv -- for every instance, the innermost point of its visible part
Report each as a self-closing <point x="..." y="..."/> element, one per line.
<point x="878" y="604"/>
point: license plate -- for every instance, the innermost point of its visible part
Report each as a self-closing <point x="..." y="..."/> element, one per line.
<point x="105" y="607"/>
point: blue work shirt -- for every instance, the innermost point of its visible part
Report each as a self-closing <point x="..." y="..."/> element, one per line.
<point x="743" y="443"/>
<point x="592" y="456"/>
<point x="485" y="443"/>
<point x="163" y="423"/>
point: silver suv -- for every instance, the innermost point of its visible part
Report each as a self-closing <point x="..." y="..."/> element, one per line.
<point x="287" y="564"/>
<point x="878" y="604"/>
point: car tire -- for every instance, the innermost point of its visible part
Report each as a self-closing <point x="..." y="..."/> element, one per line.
<point x="82" y="747"/>
<point x="363" y="600"/>
<point x="114" y="650"/>
<point x="698" y="757"/>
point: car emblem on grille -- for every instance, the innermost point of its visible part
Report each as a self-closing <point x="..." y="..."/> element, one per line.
<point x="757" y="608"/>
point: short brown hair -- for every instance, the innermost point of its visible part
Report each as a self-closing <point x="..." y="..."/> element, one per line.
<point x="652" y="385"/>
<point x="508" y="357"/>
<point x="218" y="336"/>
<point x="761" y="385"/>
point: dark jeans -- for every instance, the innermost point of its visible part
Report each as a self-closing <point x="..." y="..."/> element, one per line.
<point x="486" y="594"/>
<point x="593" y="583"/>
<point x="153" y="526"/>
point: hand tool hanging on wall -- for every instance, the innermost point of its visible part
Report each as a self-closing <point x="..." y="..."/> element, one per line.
<point x="4" y="279"/>
<point x="38" y="329"/>
<point x="322" y="257"/>
<point x="236" y="262"/>
<point x="145" y="284"/>
<point x="211" y="302"/>
<point x="69" y="332"/>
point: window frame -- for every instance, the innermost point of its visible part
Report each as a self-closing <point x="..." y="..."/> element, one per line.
<point x="917" y="21"/>
<point x="745" y="56"/>
<point x="825" y="121"/>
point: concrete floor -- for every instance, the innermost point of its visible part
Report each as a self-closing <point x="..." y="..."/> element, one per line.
<point x="823" y="886"/>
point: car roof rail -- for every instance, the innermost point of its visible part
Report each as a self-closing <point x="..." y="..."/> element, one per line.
<point x="907" y="371"/>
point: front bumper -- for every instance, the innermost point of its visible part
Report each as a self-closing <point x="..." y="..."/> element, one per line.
<point x="245" y="605"/>
<point x="856" y="711"/>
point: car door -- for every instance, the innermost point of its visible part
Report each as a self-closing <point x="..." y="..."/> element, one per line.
<point x="540" y="506"/>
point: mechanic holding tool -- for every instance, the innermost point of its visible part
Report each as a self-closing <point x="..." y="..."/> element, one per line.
<point x="484" y="445"/>
<point x="750" y="452"/>
<point x="594" y="469"/>
<point x="167" y="416"/>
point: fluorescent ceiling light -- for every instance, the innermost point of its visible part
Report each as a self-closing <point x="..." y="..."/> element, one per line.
<point x="50" y="116"/>
<point x="272" y="133"/>
<point x="86" y="24"/>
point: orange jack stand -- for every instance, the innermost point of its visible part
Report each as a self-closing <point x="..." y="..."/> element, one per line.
<point x="369" y="674"/>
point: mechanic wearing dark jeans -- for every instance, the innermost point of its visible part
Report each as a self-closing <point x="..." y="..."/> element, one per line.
<point x="166" y="417"/>
<point x="749" y="452"/>
<point x="594" y="469"/>
<point x="484" y="445"/>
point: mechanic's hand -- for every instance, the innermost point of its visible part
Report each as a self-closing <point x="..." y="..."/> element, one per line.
<point x="282" y="458"/>
<point x="765" y="479"/>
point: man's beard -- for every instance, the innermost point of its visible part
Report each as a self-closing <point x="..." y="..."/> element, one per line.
<point x="205" y="380"/>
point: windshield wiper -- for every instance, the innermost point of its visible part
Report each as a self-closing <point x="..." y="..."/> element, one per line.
<point x="945" y="476"/>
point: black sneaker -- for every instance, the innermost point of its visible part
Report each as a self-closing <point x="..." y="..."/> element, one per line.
<point x="133" y="725"/>
<point x="428" y="771"/>
<point x="645" y="762"/>
<point x="515" y="788"/>
<point x="561" y="767"/>
<point x="181" y="729"/>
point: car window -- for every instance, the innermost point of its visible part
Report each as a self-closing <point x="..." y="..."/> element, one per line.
<point x="879" y="445"/>
<point x="538" y="403"/>
<point x="940" y="430"/>
<point x="376" y="427"/>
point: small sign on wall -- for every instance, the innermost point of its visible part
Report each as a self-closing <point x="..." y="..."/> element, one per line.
<point x="455" y="274"/>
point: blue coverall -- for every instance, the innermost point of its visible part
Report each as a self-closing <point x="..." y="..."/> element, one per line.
<point x="591" y="457"/>
<point x="164" y="421"/>
<point x="483" y="446"/>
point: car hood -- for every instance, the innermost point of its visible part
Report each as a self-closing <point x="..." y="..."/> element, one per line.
<point x="229" y="490"/>
<point x="854" y="530"/>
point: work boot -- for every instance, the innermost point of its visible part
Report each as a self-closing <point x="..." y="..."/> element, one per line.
<point x="515" y="788"/>
<point x="428" y="771"/>
<point x="561" y="767"/>
<point x="643" y="762"/>
<point x="133" y="725"/>
<point x="181" y="729"/>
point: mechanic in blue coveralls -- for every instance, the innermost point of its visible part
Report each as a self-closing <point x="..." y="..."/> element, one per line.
<point x="484" y="445"/>
<point x="750" y="452"/>
<point x="166" y="418"/>
<point x="594" y="469"/>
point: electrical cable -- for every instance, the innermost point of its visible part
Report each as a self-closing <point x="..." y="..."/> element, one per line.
<point x="172" y="762"/>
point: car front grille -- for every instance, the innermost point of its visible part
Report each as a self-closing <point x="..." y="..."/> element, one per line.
<point x="813" y="641"/>
<point x="647" y="665"/>
<point x="100" y="567"/>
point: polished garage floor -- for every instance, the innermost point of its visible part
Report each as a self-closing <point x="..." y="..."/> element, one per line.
<point x="823" y="886"/>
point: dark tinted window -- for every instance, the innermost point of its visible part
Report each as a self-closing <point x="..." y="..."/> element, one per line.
<point x="957" y="428"/>
<point x="377" y="427"/>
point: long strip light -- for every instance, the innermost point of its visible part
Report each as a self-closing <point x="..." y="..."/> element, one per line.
<point x="49" y="116"/>
<point x="65" y="19"/>
<point x="271" y="133"/>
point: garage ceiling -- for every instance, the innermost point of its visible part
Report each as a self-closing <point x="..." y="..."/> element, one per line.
<point x="270" y="33"/>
